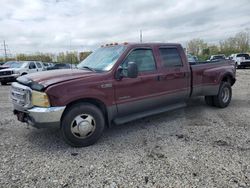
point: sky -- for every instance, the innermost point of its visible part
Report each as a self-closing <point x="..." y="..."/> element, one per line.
<point x="30" y="26"/>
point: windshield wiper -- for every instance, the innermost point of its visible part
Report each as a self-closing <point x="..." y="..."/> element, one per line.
<point x="89" y="68"/>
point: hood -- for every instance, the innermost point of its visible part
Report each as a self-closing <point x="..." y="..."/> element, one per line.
<point x="51" y="77"/>
<point x="7" y="69"/>
<point x="3" y="67"/>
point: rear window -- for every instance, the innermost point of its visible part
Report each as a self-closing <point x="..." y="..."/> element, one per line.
<point x="170" y="57"/>
<point x="39" y="65"/>
<point x="246" y="56"/>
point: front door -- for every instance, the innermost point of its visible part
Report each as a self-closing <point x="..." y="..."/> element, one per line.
<point x="139" y="94"/>
<point x="32" y="67"/>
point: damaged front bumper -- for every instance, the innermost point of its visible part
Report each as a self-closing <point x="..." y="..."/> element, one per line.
<point x="41" y="117"/>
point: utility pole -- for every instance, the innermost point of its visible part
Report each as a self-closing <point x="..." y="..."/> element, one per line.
<point x="5" y="49"/>
<point x="140" y="36"/>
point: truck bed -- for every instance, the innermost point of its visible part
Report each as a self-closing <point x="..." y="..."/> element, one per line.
<point x="206" y="76"/>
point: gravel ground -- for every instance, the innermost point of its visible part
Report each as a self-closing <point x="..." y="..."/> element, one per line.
<point x="198" y="146"/>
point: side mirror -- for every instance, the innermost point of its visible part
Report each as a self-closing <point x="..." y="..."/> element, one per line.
<point x="132" y="70"/>
<point x="118" y="73"/>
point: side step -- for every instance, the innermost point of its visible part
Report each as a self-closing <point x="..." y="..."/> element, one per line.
<point x="133" y="117"/>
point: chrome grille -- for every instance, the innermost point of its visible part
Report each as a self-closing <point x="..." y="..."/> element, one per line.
<point x="21" y="95"/>
<point x="5" y="73"/>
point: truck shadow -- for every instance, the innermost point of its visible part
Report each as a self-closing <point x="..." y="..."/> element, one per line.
<point x="133" y="132"/>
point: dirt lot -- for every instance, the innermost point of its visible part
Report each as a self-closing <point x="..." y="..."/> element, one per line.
<point x="198" y="146"/>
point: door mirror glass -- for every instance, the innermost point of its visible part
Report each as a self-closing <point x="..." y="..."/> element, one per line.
<point x="132" y="70"/>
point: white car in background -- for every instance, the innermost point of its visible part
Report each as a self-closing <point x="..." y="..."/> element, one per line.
<point x="19" y="68"/>
<point x="241" y="60"/>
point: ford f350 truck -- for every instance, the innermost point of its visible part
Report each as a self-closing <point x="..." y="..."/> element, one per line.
<point x="117" y="84"/>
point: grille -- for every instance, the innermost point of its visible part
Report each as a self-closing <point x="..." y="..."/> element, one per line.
<point x="21" y="95"/>
<point x="5" y="73"/>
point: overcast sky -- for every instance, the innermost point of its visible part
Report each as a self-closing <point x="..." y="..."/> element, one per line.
<point x="52" y="25"/>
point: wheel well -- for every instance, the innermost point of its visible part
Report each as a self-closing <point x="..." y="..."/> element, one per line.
<point x="229" y="79"/>
<point x="93" y="101"/>
<point x="23" y="73"/>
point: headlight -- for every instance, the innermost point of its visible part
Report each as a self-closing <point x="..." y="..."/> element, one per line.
<point x="16" y="72"/>
<point x="40" y="99"/>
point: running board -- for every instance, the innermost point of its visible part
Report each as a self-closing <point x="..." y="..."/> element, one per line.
<point x="136" y="116"/>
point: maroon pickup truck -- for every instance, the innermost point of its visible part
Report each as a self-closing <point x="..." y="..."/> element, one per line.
<point x="118" y="84"/>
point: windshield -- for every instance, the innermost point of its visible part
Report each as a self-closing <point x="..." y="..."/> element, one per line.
<point x="103" y="58"/>
<point x="9" y="63"/>
<point x="17" y="64"/>
<point x="218" y="57"/>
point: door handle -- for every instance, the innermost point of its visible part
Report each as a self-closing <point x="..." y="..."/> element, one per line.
<point x="160" y="77"/>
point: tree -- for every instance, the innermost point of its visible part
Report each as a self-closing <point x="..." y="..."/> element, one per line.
<point x="239" y="43"/>
<point x="83" y="55"/>
<point x="242" y="41"/>
<point x="196" y="46"/>
<point x="68" y="57"/>
<point x="35" y="57"/>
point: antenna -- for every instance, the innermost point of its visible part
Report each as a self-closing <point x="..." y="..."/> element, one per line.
<point x="140" y="36"/>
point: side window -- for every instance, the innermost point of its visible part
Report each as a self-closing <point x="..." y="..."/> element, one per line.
<point x="39" y="65"/>
<point x="143" y="58"/>
<point x="170" y="57"/>
<point x="32" y="65"/>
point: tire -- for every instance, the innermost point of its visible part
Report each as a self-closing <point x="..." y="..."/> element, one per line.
<point x="209" y="100"/>
<point x="224" y="96"/>
<point x="3" y="83"/>
<point x="82" y="125"/>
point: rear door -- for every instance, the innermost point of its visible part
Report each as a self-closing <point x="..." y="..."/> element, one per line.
<point x="139" y="94"/>
<point x="175" y="78"/>
<point x="39" y="66"/>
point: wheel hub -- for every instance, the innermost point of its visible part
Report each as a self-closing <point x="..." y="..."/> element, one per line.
<point x="83" y="126"/>
<point x="225" y="95"/>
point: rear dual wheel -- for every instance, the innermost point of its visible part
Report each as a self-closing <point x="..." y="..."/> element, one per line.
<point x="223" y="98"/>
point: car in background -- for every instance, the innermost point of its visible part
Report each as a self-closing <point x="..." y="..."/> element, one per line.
<point x="192" y="59"/>
<point x="47" y="65"/>
<point x="217" y="57"/>
<point x="19" y="68"/>
<point x="60" y="66"/>
<point x="242" y="60"/>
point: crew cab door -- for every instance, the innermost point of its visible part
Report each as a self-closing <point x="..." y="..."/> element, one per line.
<point x="175" y="78"/>
<point x="133" y="95"/>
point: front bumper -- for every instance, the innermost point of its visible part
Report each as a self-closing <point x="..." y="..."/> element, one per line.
<point x="245" y="63"/>
<point x="41" y="117"/>
<point x="9" y="78"/>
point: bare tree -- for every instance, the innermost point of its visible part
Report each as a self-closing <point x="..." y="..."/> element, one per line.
<point x="196" y="46"/>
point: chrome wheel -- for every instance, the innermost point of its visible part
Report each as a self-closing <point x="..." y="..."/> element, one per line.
<point x="225" y="95"/>
<point x="83" y="126"/>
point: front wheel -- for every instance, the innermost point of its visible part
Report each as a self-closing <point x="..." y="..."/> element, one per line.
<point x="224" y="96"/>
<point x="3" y="83"/>
<point x="82" y="125"/>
